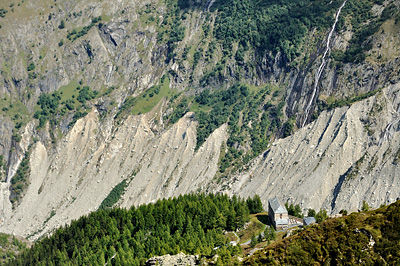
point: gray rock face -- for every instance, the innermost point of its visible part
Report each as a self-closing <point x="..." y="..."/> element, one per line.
<point x="6" y="127"/>
<point x="175" y="260"/>
<point x="73" y="178"/>
<point x="346" y="156"/>
<point x="113" y="34"/>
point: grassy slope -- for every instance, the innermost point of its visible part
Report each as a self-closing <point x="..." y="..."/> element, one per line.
<point x="149" y="99"/>
<point x="254" y="228"/>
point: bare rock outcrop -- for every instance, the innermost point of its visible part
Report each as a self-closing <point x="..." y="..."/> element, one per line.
<point x="346" y="156"/>
<point x="180" y="259"/>
<point x="74" y="178"/>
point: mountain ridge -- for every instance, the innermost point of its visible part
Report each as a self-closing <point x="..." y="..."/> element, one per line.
<point x="100" y="64"/>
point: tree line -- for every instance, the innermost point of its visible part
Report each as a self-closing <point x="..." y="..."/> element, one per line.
<point x="193" y="224"/>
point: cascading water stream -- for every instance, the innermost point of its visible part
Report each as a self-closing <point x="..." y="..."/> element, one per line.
<point x="323" y="63"/>
<point x="206" y="9"/>
<point x="208" y="5"/>
<point x="387" y="134"/>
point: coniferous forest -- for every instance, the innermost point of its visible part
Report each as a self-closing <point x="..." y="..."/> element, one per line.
<point x="197" y="223"/>
<point x="193" y="224"/>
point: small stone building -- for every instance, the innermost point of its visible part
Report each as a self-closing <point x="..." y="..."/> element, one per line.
<point x="277" y="213"/>
<point x="309" y="220"/>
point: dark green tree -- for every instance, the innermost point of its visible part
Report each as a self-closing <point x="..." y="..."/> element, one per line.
<point x="62" y="25"/>
<point x="311" y="213"/>
<point x="253" y="241"/>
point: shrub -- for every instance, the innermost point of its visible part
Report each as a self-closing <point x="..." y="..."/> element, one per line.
<point x="62" y="25"/>
<point x="365" y="207"/>
<point x="31" y="67"/>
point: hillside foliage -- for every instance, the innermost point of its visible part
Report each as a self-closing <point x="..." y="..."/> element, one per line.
<point x="253" y="117"/>
<point x="193" y="224"/>
<point x="19" y="182"/>
<point x="114" y="196"/>
<point x="270" y="26"/>
<point x="10" y="247"/>
<point x="369" y="238"/>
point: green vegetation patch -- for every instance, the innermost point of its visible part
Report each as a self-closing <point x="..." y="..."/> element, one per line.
<point x="14" y="109"/>
<point x="77" y="33"/>
<point x="49" y="107"/>
<point x="20" y="182"/>
<point x="341" y="241"/>
<point x="193" y="224"/>
<point x="253" y="116"/>
<point x="294" y="210"/>
<point x="364" y="24"/>
<point x="152" y="97"/>
<point x="171" y="29"/>
<point x="10" y="247"/>
<point x="270" y="25"/>
<point x="333" y="103"/>
<point x="71" y="97"/>
<point x="146" y="101"/>
<point x="69" y="91"/>
<point x="114" y="196"/>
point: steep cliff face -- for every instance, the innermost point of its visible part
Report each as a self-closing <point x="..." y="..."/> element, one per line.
<point x="126" y="50"/>
<point x="33" y="33"/>
<point x="346" y="156"/>
<point x="74" y="178"/>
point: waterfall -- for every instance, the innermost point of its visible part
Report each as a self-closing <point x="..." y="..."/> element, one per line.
<point x="385" y="136"/>
<point x="208" y="5"/>
<point x="323" y="63"/>
<point x="206" y="9"/>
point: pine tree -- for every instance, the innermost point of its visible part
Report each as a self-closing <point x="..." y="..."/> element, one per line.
<point x="365" y="206"/>
<point x="273" y="233"/>
<point x="62" y="25"/>
<point x="258" y="204"/>
<point x="254" y="204"/>
<point x="253" y="241"/>
<point x="311" y="213"/>
<point x="260" y="238"/>
<point x="101" y="258"/>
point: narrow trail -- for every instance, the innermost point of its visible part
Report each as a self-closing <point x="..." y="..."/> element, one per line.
<point x="115" y="254"/>
<point x="322" y="66"/>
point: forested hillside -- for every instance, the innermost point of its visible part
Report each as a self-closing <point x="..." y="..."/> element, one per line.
<point x="197" y="224"/>
<point x="367" y="238"/>
<point x="193" y="224"/>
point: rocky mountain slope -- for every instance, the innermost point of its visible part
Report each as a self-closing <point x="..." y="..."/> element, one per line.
<point x="116" y="75"/>
<point x="347" y="155"/>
